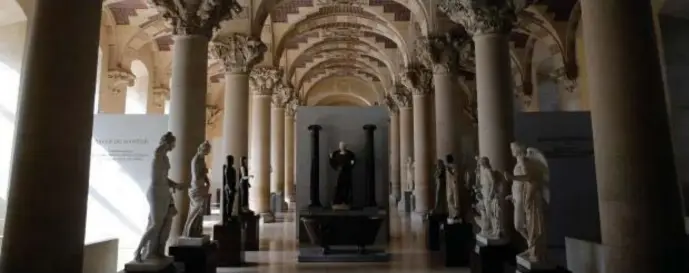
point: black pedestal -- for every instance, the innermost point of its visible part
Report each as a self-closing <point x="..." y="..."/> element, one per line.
<point x="196" y="259"/>
<point x="434" y="222"/>
<point x="229" y="240"/>
<point x="250" y="222"/>
<point x="170" y="268"/>
<point x="492" y="258"/>
<point x="459" y="242"/>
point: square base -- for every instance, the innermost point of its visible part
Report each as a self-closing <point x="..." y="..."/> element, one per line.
<point x="341" y="255"/>
<point x="230" y="247"/>
<point x="150" y="266"/>
<point x="459" y="243"/>
<point x="196" y="259"/>
<point x="492" y="258"/>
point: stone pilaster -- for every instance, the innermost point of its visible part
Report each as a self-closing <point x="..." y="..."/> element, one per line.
<point x="262" y="82"/>
<point x="281" y="97"/>
<point x="193" y="23"/>
<point x="419" y="80"/>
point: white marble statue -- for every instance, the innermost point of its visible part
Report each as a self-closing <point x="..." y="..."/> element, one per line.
<point x="409" y="166"/>
<point x="490" y="202"/>
<point x="530" y="179"/>
<point x="453" y="192"/>
<point x="198" y="193"/>
<point x="162" y="207"/>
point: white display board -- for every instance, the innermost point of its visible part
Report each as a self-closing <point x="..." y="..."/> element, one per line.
<point x="121" y="154"/>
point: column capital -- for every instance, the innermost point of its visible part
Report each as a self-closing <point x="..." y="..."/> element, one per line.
<point x="390" y="103"/>
<point x="560" y="75"/>
<point x="119" y="79"/>
<point x="238" y="52"/>
<point x="440" y="51"/>
<point x="292" y="105"/>
<point x="196" y="17"/>
<point x="161" y="93"/>
<point x="483" y="17"/>
<point x="263" y="80"/>
<point x="402" y="96"/>
<point x="418" y="79"/>
<point x="282" y="95"/>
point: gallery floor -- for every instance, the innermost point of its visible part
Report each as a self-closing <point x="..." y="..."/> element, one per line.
<point x="279" y="252"/>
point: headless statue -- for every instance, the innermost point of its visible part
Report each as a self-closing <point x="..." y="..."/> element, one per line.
<point x="198" y="194"/>
<point x="162" y="207"/>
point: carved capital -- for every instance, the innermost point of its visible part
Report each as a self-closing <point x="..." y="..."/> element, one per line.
<point x="418" y="79"/>
<point x="263" y="80"/>
<point x="440" y="52"/>
<point x="196" y="17"/>
<point x="292" y="105"/>
<point x="402" y="96"/>
<point x="161" y="94"/>
<point x="390" y="103"/>
<point x="560" y="75"/>
<point x="483" y="17"/>
<point x="282" y="96"/>
<point x="119" y="79"/>
<point x="238" y="52"/>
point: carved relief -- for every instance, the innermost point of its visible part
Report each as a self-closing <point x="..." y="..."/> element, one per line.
<point x="200" y="17"/>
<point x="119" y="79"/>
<point x="282" y="96"/>
<point x="418" y="79"/>
<point x="483" y="17"/>
<point x="291" y="108"/>
<point x="262" y="80"/>
<point x="238" y="52"/>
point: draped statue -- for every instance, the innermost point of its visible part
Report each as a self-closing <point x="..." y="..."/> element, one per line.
<point x="529" y="195"/>
<point x="490" y="201"/>
<point x="198" y="194"/>
<point x="409" y="166"/>
<point x="161" y="204"/>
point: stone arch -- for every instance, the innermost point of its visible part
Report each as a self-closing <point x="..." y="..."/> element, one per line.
<point x="137" y="95"/>
<point x="339" y="73"/>
<point x="342" y="100"/>
<point x="342" y="64"/>
<point x="372" y="63"/>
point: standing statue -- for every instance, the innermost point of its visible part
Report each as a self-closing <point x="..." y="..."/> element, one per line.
<point x="456" y="193"/>
<point x="198" y="194"/>
<point x="343" y="160"/>
<point x="490" y="217"/>
<point x="161" y="204"/>
<point x="531" y="176"/>
<point x="244" y="185"/>
<point x="440" y="207"/>
<point x="409" y="165"/>
<point x="229" y="187"/>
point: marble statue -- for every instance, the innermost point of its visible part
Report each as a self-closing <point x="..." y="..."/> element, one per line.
<point x="454" y="191"/>
<point x="229" y="189"/>
<point x="409" y="166"/>
<point x="198" y="193"/>
<point x="343" y="160"/>
<point x="440" y="206"/>
<point x="530" y="178"/>
<point x="161" y="204"/>
<point x="244" y="184"/>
<point x="491" y="202"/>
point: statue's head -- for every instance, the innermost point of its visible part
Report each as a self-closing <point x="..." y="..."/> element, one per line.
<point x="204" y="148"/>
<point x="518" y="150"/>
<point x="168" y="140"/>
<point x="449" y="159"/>
<point x="230" y="160"/>
<point x="243" y="160"/>
<point x="484" y="162"/>
<point x="343" y="146"/>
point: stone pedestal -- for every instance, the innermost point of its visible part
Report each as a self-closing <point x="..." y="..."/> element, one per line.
<point x="150" y="266"/>
<point x="458" y="244"/>
<point x="250" y="225"/>
<point x="433" y="224"/>
<point x="277" y="202"/>
<point x="196" y="259"/>
<point x="230" y="243"/>
<point x="194" y="241"/>
<point x="491" y="258"/>
<point x="405" y="203"/>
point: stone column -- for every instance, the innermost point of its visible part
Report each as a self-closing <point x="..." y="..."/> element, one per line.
<point x="238" y="53"/>
<point x="290" y="111"/>
<point x="113" y="100"/>
<point x="396" y="192"/>
<point x="640" y="202"/>
<point x="191" y="31"/>
<point x="282" y="95"/>
<point x="438" y="52"/>
<point x="262" y="82"/>
<point x="46" y="204"/>
<point x="419" y="80"/>
<point x="403" y="100"/>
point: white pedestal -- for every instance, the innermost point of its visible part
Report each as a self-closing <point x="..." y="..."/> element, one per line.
<point x="526" y="264"/>
<point x="491" y="241"/>
<point x="151" y="265"/>
<point x="194" y="241"/>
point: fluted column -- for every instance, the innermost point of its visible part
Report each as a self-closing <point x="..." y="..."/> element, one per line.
<point x="640" y="203"/>
<point x="192" y="27"/>
<point x="419" y="80"/>
<point x="238" y="53"/>
<point x="262" y="82"/>
<point x="47" y="196"/>
<point x="396" y="192"/>
<point x="290" y="111"/>
<point x="281" y="96"/>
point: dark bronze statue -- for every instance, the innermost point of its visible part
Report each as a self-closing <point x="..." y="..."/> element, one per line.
<point x="244" y="185"/>
<point x="230" y="188"/>
<point x="343" y="161"/>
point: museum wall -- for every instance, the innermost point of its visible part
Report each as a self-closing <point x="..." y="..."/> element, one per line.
<point x="342" y="124"/>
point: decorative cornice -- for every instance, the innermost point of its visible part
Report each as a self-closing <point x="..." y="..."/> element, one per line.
<point x="402" y="96"/>
<point x="198" y="17"/>
<point x="263" y="80"/>
<point x="161" y="94"/>
<point x="282" y="96"/>
<point x="119" y="79"/>
<point x="560" y="75"/>
<point x="483" y="17"/>
<point x="418" y="79"/>
<point x="439" y="52"/>
<point x="238" y="52"/>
